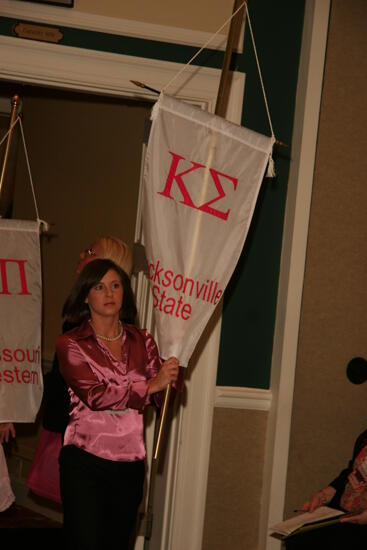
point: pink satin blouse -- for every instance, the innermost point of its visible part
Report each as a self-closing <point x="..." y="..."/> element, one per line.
<point x="107" y="396"/>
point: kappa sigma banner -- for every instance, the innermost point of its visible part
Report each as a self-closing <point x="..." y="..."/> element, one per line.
<point x="21" y="383"/>
<point x="202" y="176"/>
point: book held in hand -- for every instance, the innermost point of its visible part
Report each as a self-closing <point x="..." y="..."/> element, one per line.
<point x="320" y="517"/>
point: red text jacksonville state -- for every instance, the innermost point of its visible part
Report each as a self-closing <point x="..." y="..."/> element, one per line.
<point x="166" y="282"/>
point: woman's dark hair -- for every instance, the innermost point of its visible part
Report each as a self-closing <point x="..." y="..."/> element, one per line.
<point x="75" y="309"/>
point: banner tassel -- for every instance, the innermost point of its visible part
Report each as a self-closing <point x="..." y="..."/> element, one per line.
<point x="271" y="168"/>
<point x="271" y="165"/>
<point x="44" y="226"/>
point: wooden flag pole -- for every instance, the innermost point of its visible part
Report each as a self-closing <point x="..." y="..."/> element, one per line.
<point x="154" y="467"/>
<point x="220" y="109"/>
<point x="5" y="201"/>
<point x="232" y="41"/>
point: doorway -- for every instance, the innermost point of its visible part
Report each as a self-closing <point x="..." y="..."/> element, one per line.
<point x="85" y="155"/>
<point x="184" y="494"/>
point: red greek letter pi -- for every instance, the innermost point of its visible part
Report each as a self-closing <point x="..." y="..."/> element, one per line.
<point x="4" y="278"/>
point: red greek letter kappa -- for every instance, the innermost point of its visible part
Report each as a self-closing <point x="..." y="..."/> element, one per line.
<point x="178" y="178"/>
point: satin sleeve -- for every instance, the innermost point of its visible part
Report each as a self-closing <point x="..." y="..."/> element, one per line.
<point x="154" y="361"/>
<point x="96" y="394"/>
<point x="153" y="365"/>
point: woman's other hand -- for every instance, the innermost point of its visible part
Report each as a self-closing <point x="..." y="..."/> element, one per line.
<point x="360" y="519"/>
<point x="319" y="499"/>
<point x="167" y="374"/>
<point x="6" y="430"/>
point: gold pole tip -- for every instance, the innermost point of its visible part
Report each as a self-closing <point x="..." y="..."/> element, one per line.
<point x="15" y="99"/>
<point x="280" y="143"/>
<point x="140" y="84"/>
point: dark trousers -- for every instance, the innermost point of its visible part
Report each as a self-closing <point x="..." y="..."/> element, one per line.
<point x="100" y="498"/>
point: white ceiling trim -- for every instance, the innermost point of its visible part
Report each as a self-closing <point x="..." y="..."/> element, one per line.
<point x="109" y="73"/>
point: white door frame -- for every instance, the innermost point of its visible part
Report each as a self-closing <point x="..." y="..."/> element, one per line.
<point x="291" y="278"/>
<point x="111" y="74"/>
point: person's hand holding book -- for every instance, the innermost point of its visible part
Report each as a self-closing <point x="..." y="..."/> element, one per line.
<point x="320" y="498"/>
<point x="359" y="518"/>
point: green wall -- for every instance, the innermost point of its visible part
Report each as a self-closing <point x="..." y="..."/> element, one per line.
<point x="250" y="299"/>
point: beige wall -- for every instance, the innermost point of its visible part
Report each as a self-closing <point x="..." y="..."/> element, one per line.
<point x="329" y="412"/>
<point x="207" y="15"/>
<point x="235" y="480"/>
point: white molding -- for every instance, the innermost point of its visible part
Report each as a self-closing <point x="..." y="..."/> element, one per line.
<point x="111" y="74"/>
<point x="56" y="15"/>
<point x="91" y="71"/>
<point x="242" y="398"/>
<point x="189" y="495"/>
<point x="292" y="267"/>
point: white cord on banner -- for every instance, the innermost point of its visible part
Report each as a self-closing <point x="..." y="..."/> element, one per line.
<point x="43" y="224"/>
<point x="203" y="47"/>
<point x="271" y="169"/>
<point x="260" y="75"/>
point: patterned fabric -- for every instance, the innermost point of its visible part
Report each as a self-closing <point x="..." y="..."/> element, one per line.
<point x="354" y="498"/>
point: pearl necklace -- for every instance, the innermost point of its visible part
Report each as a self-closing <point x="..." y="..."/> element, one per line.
<point x="107" y="338"/>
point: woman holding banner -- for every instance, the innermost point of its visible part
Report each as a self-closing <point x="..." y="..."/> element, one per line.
<point x="112" y="369"/>
<point x="43" y="477"/>
<point x="56" y="397"/>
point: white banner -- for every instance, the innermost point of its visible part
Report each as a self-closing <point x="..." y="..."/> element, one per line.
<point x="21" y="383"/>
<point x="201" y="181"/>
